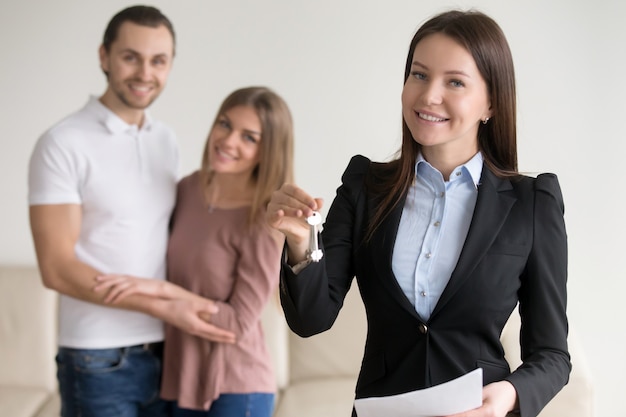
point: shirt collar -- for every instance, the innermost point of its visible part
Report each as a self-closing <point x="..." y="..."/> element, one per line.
<point x="474" y="167"/>
<point x="113" y="122"/>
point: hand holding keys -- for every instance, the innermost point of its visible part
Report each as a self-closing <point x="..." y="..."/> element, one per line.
<point x="314" y="253"/>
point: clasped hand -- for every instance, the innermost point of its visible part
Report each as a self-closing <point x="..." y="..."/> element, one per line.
<point x="170" y="303"/>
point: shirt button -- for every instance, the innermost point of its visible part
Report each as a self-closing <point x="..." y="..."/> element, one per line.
<point x="428" y="255"/>
<point x="458" y="173"/>
<point x="423" y="293"/>
<point x="436" y="224"/>
<point x="422" y="328"/>
<point x="441" y="194"/>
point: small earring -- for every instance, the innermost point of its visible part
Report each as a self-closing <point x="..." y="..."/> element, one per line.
<point x="486" y="120"/>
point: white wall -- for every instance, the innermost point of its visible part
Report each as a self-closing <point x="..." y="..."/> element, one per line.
<point x="339" y="65"/>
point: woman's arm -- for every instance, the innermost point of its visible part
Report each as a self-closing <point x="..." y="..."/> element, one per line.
<point x="256" y="279"/>
<point x="543" y="300"/>
<point x="312" y="298"/>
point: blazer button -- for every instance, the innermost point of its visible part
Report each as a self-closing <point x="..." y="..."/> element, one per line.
<point x="423" y="328"/>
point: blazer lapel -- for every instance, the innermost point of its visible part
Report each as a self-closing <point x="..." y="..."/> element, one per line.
<point x="382" y="245"/>
<point x="493" y="204"/>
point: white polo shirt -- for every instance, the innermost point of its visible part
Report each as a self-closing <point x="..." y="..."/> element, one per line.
<point x="125" y="180"/>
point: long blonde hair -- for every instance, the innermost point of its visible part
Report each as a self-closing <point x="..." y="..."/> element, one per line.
<point x="275" y="165"/>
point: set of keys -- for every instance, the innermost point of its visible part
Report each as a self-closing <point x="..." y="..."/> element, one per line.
<point x="315" y="223"/>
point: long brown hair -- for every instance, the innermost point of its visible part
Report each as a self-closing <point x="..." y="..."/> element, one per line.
<point x="497" y="140"/>
<point x="275" y="165"/>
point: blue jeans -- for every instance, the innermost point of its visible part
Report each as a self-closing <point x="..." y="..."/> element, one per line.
<point x="233" y="405"/>
<point x="121" y="382"/>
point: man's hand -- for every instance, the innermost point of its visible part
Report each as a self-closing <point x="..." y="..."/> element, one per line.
<point x="192" y="316"/>
<point x="172" y="304"/>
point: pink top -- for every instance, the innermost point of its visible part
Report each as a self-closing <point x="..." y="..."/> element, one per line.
<point x="215" y="254"/>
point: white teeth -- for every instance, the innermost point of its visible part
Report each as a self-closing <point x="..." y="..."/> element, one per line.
<point x="429" y="117"/>
<point x="224" y="154"/>
<point x="140" y="88"/>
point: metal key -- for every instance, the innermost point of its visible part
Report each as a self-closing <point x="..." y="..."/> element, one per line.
<point x="315" y="220"/>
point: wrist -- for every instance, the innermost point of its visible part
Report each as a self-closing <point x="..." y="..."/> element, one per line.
<point x="297" y="252"/>
<point x="158" y="308"/>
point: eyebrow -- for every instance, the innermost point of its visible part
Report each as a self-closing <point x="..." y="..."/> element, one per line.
<point x="451" y="72"/>
<point x="245" y="130"/>
<point x="132" y="51"/>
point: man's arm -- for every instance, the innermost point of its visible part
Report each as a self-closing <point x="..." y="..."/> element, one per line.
<point x="56" y="228"/>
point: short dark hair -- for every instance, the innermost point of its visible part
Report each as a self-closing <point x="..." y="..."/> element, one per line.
<point x="141" y="15"/>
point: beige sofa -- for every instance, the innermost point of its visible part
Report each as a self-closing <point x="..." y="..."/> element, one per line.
<point x="315" y="376"/>
<point x="27" y="345"/>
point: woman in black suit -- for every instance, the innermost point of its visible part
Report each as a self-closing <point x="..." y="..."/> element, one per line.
<point x="444" y="241"/>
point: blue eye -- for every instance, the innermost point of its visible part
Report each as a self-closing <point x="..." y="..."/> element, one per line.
<point x="250" y="138"/>
<point x="418" y="75"/>
<point x="457" y="83"/>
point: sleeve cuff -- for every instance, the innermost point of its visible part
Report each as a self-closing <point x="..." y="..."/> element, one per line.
<point x="299" y="266"/>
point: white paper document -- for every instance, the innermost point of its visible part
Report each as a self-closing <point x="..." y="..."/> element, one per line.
<point x="456" y="396"/>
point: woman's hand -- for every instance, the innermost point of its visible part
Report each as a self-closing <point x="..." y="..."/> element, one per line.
<point x="499" y="398"/>
<point x="287" y="212"/>
<point x="122" y="286"/>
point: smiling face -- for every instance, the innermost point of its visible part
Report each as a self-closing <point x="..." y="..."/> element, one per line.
<point x="137" y="65"/>
<point x="445" y="98"/>
<point x="234" y="142"/>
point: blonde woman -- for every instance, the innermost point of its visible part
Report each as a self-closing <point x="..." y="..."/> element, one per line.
<point x="222" y="255"/>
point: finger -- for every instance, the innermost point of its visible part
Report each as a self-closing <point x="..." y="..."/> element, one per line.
<point x="123" y="294"/>
<point x="285" y="206"/>
<point x="218" y="339"/>
<point x="219" y="334"/>
<point x="205" y="315"/>
<point x="109" y="277"/>
<point x="319" y="202"/>
<point x="104" y="285"/>
<point x="297" y="193"/>
<point x="212" y="308"/>
<point x="274" y="217"/>
<point x="107" y="281"/>
<point x="212" y="332"/>
<point x="115" y="291"/>
<point x="293" y="200"/>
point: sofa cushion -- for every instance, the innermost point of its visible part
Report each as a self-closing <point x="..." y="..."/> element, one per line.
<point x="28" y="328"/>
<point x="335" y="352"/>
<point x="19" y="401"/>
<point x="51" y="408"/>
<point x="327" y="397"/>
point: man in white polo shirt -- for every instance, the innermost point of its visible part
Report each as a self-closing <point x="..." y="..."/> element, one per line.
<point x="102" y="186"/>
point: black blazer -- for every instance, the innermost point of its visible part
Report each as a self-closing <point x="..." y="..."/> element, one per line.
<point x="515" y="251"/>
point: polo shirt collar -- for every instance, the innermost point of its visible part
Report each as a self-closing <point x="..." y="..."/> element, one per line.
<point x="113" y="122"/>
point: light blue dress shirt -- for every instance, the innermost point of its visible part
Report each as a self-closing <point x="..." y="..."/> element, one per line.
<point x="435" y="220"/>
